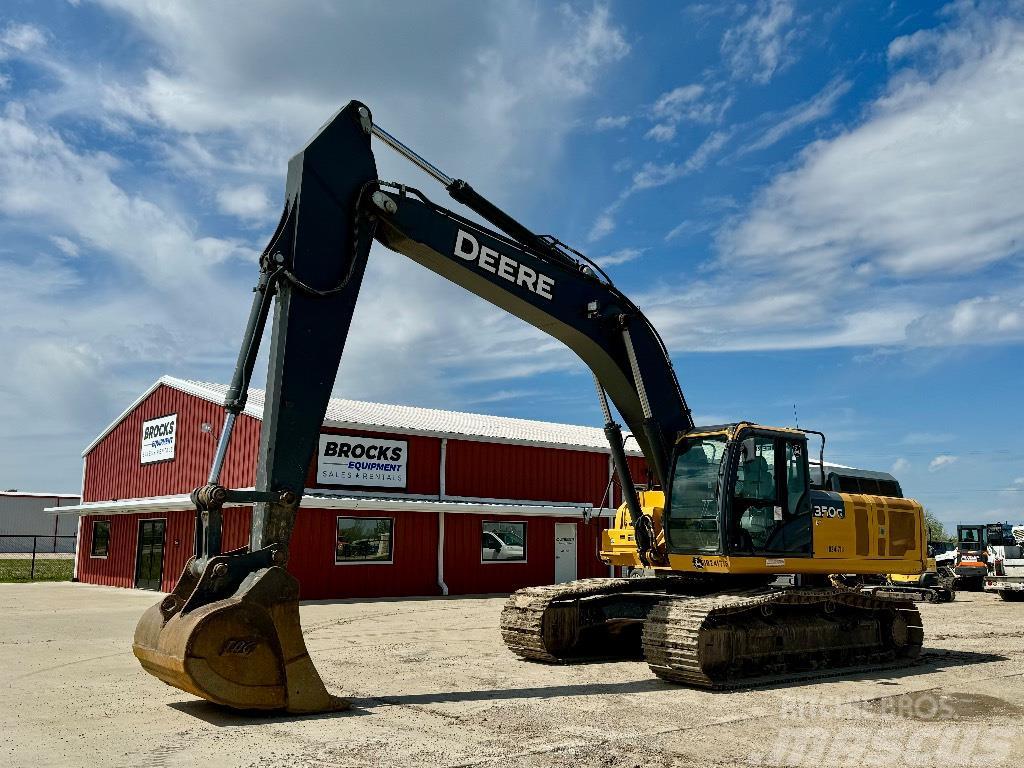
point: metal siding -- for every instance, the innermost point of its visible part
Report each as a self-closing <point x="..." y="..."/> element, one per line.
<point x="424" y="465"/>
<point x="23" y="515"/>
<point x="114" y="472"/>
<point x="502" y="471"/>
<point x="236" y="527"/>
<point x="118" y="569"/>
<point x="413" y="572"/>
<point x="179" y="544"/>
<point x="465" y="574"/>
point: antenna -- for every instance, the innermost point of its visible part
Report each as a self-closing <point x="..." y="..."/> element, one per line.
<point x="796" y="418"/>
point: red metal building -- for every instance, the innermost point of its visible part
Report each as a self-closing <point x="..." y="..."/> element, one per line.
<point x="400" y="500"/>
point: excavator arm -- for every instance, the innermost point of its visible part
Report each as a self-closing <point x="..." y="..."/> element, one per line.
<point x="229" y="631"/>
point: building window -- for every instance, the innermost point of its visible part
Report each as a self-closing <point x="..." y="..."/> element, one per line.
<point x="503" y="541"/>
<point x="100" y="538"/>
<point x="364" y="540"/>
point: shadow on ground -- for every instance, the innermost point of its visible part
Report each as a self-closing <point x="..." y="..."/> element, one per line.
<point x="224" y="717"/>
<point x="930" y="661"/>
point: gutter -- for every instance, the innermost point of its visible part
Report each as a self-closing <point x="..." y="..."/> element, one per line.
<point x="182" y="501"/>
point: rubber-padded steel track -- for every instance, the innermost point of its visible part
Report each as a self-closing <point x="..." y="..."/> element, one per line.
<point x="767" y="636"/>
<point x="542" y="623"/>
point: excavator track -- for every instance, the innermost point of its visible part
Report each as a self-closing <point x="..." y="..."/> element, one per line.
<point x="550" y="623"/>
<point x="726" y="639"/>
<point x="770" y="636"/>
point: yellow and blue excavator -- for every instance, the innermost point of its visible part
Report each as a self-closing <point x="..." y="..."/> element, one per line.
<point x="735" y="508"/>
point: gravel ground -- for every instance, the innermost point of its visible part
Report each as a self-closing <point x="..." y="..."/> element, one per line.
<point x="432" y="684"/>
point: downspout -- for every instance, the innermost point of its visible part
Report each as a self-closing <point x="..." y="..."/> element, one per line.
<point x="440" y="519"/>
<point x="78" y="529"/>
<point x="440" y="554"/>
<point x="78" y="539"/>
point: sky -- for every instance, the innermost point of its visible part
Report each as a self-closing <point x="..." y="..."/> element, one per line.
<point x="819" y="205"/>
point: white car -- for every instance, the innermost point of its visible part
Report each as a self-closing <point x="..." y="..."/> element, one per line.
<point x="493" y="548"/>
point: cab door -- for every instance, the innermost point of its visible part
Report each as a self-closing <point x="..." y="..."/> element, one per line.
<point x="770" y="505"/>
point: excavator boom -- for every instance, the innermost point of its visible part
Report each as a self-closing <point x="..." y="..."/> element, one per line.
<point x="229" y="631"/>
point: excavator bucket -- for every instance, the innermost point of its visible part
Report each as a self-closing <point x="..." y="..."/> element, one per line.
<point x="243" y="651"/>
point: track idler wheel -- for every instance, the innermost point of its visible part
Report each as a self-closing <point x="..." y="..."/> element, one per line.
<point x="244" y="651"/>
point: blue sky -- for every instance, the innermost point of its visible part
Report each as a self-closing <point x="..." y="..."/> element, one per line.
<point x="819" y="205"/>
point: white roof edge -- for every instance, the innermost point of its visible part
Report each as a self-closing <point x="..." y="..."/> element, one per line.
<point x="182" y="501"/>
<point x="197" y="390"/>
<point x="40" y="495"/>
<point x="135" y="404"/>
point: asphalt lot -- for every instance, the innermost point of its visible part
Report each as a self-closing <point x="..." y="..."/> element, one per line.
<point x="433" y="685"/>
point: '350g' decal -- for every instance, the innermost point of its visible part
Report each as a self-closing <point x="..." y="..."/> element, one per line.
<point x="824" y="510"/>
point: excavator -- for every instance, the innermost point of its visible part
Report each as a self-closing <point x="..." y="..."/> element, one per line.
<point x="728" y="510"/>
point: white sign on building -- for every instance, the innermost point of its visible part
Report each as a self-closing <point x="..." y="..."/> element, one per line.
<point x="363" y="461"/>
<point x="158" y="439"/>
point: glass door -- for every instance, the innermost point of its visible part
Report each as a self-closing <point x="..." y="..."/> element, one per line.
<point x="149" y="561"/>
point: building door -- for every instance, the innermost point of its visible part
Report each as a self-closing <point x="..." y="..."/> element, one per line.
<point x="149" y="562"/>
<point x="565" y="552"/>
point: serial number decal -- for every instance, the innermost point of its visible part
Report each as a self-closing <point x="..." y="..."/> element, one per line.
<point x="709" y="562"/>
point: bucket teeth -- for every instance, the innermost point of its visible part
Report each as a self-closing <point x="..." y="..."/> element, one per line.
<point x="244" y="651"/>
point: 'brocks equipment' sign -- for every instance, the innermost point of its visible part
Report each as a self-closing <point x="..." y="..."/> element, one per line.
<point x="367" y="461"/>
<point x="158" y="439"/>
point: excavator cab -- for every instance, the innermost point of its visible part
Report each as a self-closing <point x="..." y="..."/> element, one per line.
<point x="741" y="490"/>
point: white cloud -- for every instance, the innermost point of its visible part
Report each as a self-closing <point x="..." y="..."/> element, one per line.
<point x="684" y="104"/>
<point x="47" y="183"/>
<point x="922" y="187"/>
<point x="899" y="466"/>
<point x="689" y="227"/>
<point x="603" y="225"/>
<point x="975" y="320"/>
<point x="662" y="132"/>
<point x="608" y="122"/>
<point x="248" y="201"/>
<point x="65" y="246"/>
<point x="22" y="38"/>
<point x="496" y="106"/>
<point x="760" y="47"/>
<point x="654" y="175"/>
<point x="926" y="183"/>
<point x="621" y="256"/>
<point x="680" y="103"/>
<point x="940" y="461"/>
<point x="818" y="106"/>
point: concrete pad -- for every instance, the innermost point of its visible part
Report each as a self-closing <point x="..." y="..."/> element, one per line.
<point x="433" y="685"/>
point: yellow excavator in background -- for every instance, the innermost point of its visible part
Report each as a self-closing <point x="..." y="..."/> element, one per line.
<point x="735" y="510"/>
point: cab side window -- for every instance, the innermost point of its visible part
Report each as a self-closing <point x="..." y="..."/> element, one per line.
<point x="755" y="475"/>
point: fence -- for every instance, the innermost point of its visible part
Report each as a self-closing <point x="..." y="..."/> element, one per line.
<point x="45" y="557"/>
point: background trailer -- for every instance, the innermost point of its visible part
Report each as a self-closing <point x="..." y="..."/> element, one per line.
<point x="402" y="500"/>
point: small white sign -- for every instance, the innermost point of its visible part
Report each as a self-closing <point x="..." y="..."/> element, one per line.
<point x="362" y="461"/>
<point x="158" y="439"/>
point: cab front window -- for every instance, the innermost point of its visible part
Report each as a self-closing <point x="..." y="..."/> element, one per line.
<point x="693" y="517"/>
